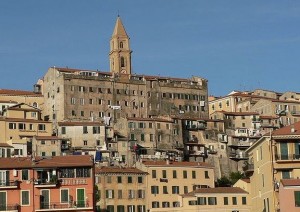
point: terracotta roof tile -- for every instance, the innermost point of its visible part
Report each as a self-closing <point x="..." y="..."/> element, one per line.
<point x="218" y="190"/>
<point x="6" y="145"/>
<point x="8" y="92"/>
<point x="79" y="123"/>
<point x="23" y="120"/>
<point x="48" y="138"/>
<point x="46" y="162"/>
<point x="239" y="113"/>
<point x="175" y="163"/>
<point x="116" y="169"/>
<point x="287" y="130"/>
<point x="149" y="119"/>
<point x="290" y="182"/>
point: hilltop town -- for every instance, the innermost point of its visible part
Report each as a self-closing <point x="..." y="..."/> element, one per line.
<point x="90" y="140"/>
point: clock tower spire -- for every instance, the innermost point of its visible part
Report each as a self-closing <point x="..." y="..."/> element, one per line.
<point x="120" y="53"/>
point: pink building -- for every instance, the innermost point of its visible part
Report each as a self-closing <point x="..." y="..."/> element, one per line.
<point x="289" y="195"/>
<point x="59" y="183"/>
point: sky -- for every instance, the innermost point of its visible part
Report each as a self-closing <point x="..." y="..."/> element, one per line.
<point x="235" y="45"/>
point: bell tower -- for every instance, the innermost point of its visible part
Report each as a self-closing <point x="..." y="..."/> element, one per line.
<point x="120" y="53"/>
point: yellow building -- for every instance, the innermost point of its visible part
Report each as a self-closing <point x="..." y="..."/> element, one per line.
<point x="121" y="189"/>
<point x="272" y="159"/>
<point x="221" y="199"/>
<point x="167" y="179"/>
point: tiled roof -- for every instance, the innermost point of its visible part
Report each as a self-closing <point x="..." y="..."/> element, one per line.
<point x="286" y="101"/>
<point x="116" y="169"/>
<point x="290" y="182"/>
<point x="48" y="138"/>
<point x="218" y="190"/>
<point x="239" y="113"/>
<point x="46" y="162"/>
<point x="79" y="123"/>
<point x="268" y="117"/>
<point x="8" y="101"/>
<point x="5" y="145"/>
<point x="287" y="130"/>
<point x="23" y="120"/>
<point x="149" y="119"/>
<point x="178" y="164"/>
<point x="8" y="92"/>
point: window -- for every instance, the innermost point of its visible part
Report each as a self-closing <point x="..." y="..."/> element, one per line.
<point x="150" y="125"/>
<point x="165" y="204"/>
<point x="286" y="174"/>
<point x="109" y="194"/>
<point x="120" y="194"/>
<point x="43" y="142"/>
<point x="164" y="174"/>
<point x="130" y="208"/>
<point x="141" y="194"/>
<point x="244" y="200"/>
<point x="165" y="189"/>
<point x="85" y="143"/>
<point x="53" y="153"/>
<point x="91" y="101"/>
<point x="108" y="179"/>
<point x="194" y="174"/>
<point x="141" y="208"/>
<point x="184" y="174"/>
<point x="158" y="126"/>
<point x="142" y="137"/>
<point x="30" y="126"/>
<point x="130" y="194"/>
<point x="25" y="198"/>
<point x="81" y="101"/>
<point x="84" y="130"/>
<point x="42" y="127"/>
<point x="225" y="200"/>
<point x="297" y="198"/>
<point x="153" y="173"/>
<point x="122" y="62"/>
<point x="201" y="200"/>
<point x="212" y="200"/>
<point x="155" y="204"/>
<point x="25" y="174"/>
<point x="186" y="189"/>
<point x="67" y="173"/>
<point x="110" y="208"/>
<point x="120" y="208"/>
<point x="175" y="189"/>
<point x="151" y="137"/>
<point x="140" y="179"/>
<point x="73" y="101"/>
<point x="96" y="130"/>
<point x="129" y="179"/>
<point x="174" y="174"/>
<point x="234" y="201"/>
<point x="119" y="178"/>
<point x="206" y="174"/>
<point x="81" y="89"/>
<point x="83" y="172"/>
<point x="63" y="130"/>
<point x="21" y="126"/>
<point x="64" y="195"/>
<point x="154" y="190"/>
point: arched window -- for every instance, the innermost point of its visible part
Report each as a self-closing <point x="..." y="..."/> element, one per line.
<point x="35" y="104"/>
<point x="121" y="45"/>
<point x="122" y="62"/>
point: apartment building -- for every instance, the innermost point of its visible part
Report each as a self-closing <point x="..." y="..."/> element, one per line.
<point x="121" y="189"/>
<point x="20" y="123"/>
<point x="274" y="168"/>
<point x="5" y="150"/>
<point x="11" y="97"/>
<point x="47" y="183"/>
<point x="225" y="199"/>
<point x="167" y="179"/>
<point x="47" y="146"/>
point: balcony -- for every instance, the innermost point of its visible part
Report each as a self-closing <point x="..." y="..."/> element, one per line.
<point x="248" y="168"/>
<point x="256" y="120"/>
<point x="196" y="153"/>
<point x="71" y="206"/>
<point x="238" y="156"/>
<point x="280" y="112"/>
<point x="45" y="183"/>
<point x="65" y="146"/>
<point x="195" y="127"/>
<point x="295" y="113"/>
<point x="11" y="184"/>
<point x="291" y="157"/>
<point x="212" y="151"/>
<point x="11" y="208"/>
<point x="240" y="144"/>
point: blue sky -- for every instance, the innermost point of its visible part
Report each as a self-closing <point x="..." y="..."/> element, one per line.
<point x="235" y="45"/>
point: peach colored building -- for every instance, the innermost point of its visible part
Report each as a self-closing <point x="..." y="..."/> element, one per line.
<point x="167" y="179"/>
<point x="60" y="183"/>
<point x="289" y="195"/>
<point x="121" y="189"/>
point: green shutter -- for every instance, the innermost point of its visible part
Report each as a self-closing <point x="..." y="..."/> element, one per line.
<point x="297" y="198"/>
<point x="284" y="151"/>
<point x="80" y="197"/>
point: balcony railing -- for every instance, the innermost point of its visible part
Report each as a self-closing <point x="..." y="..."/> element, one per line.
<point x="287" y="157"/>
<point x="249" y="167"/>
<point x="196" y="152"/>
<point x="43" y="182"/>
<point x="11" y="207"/>
<point x="56" y="206"/>
<point x="195" y="127"/>
<point x="238" y="156"/>
<point x="65" y="146"/>
<point x="9" y="184"/>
